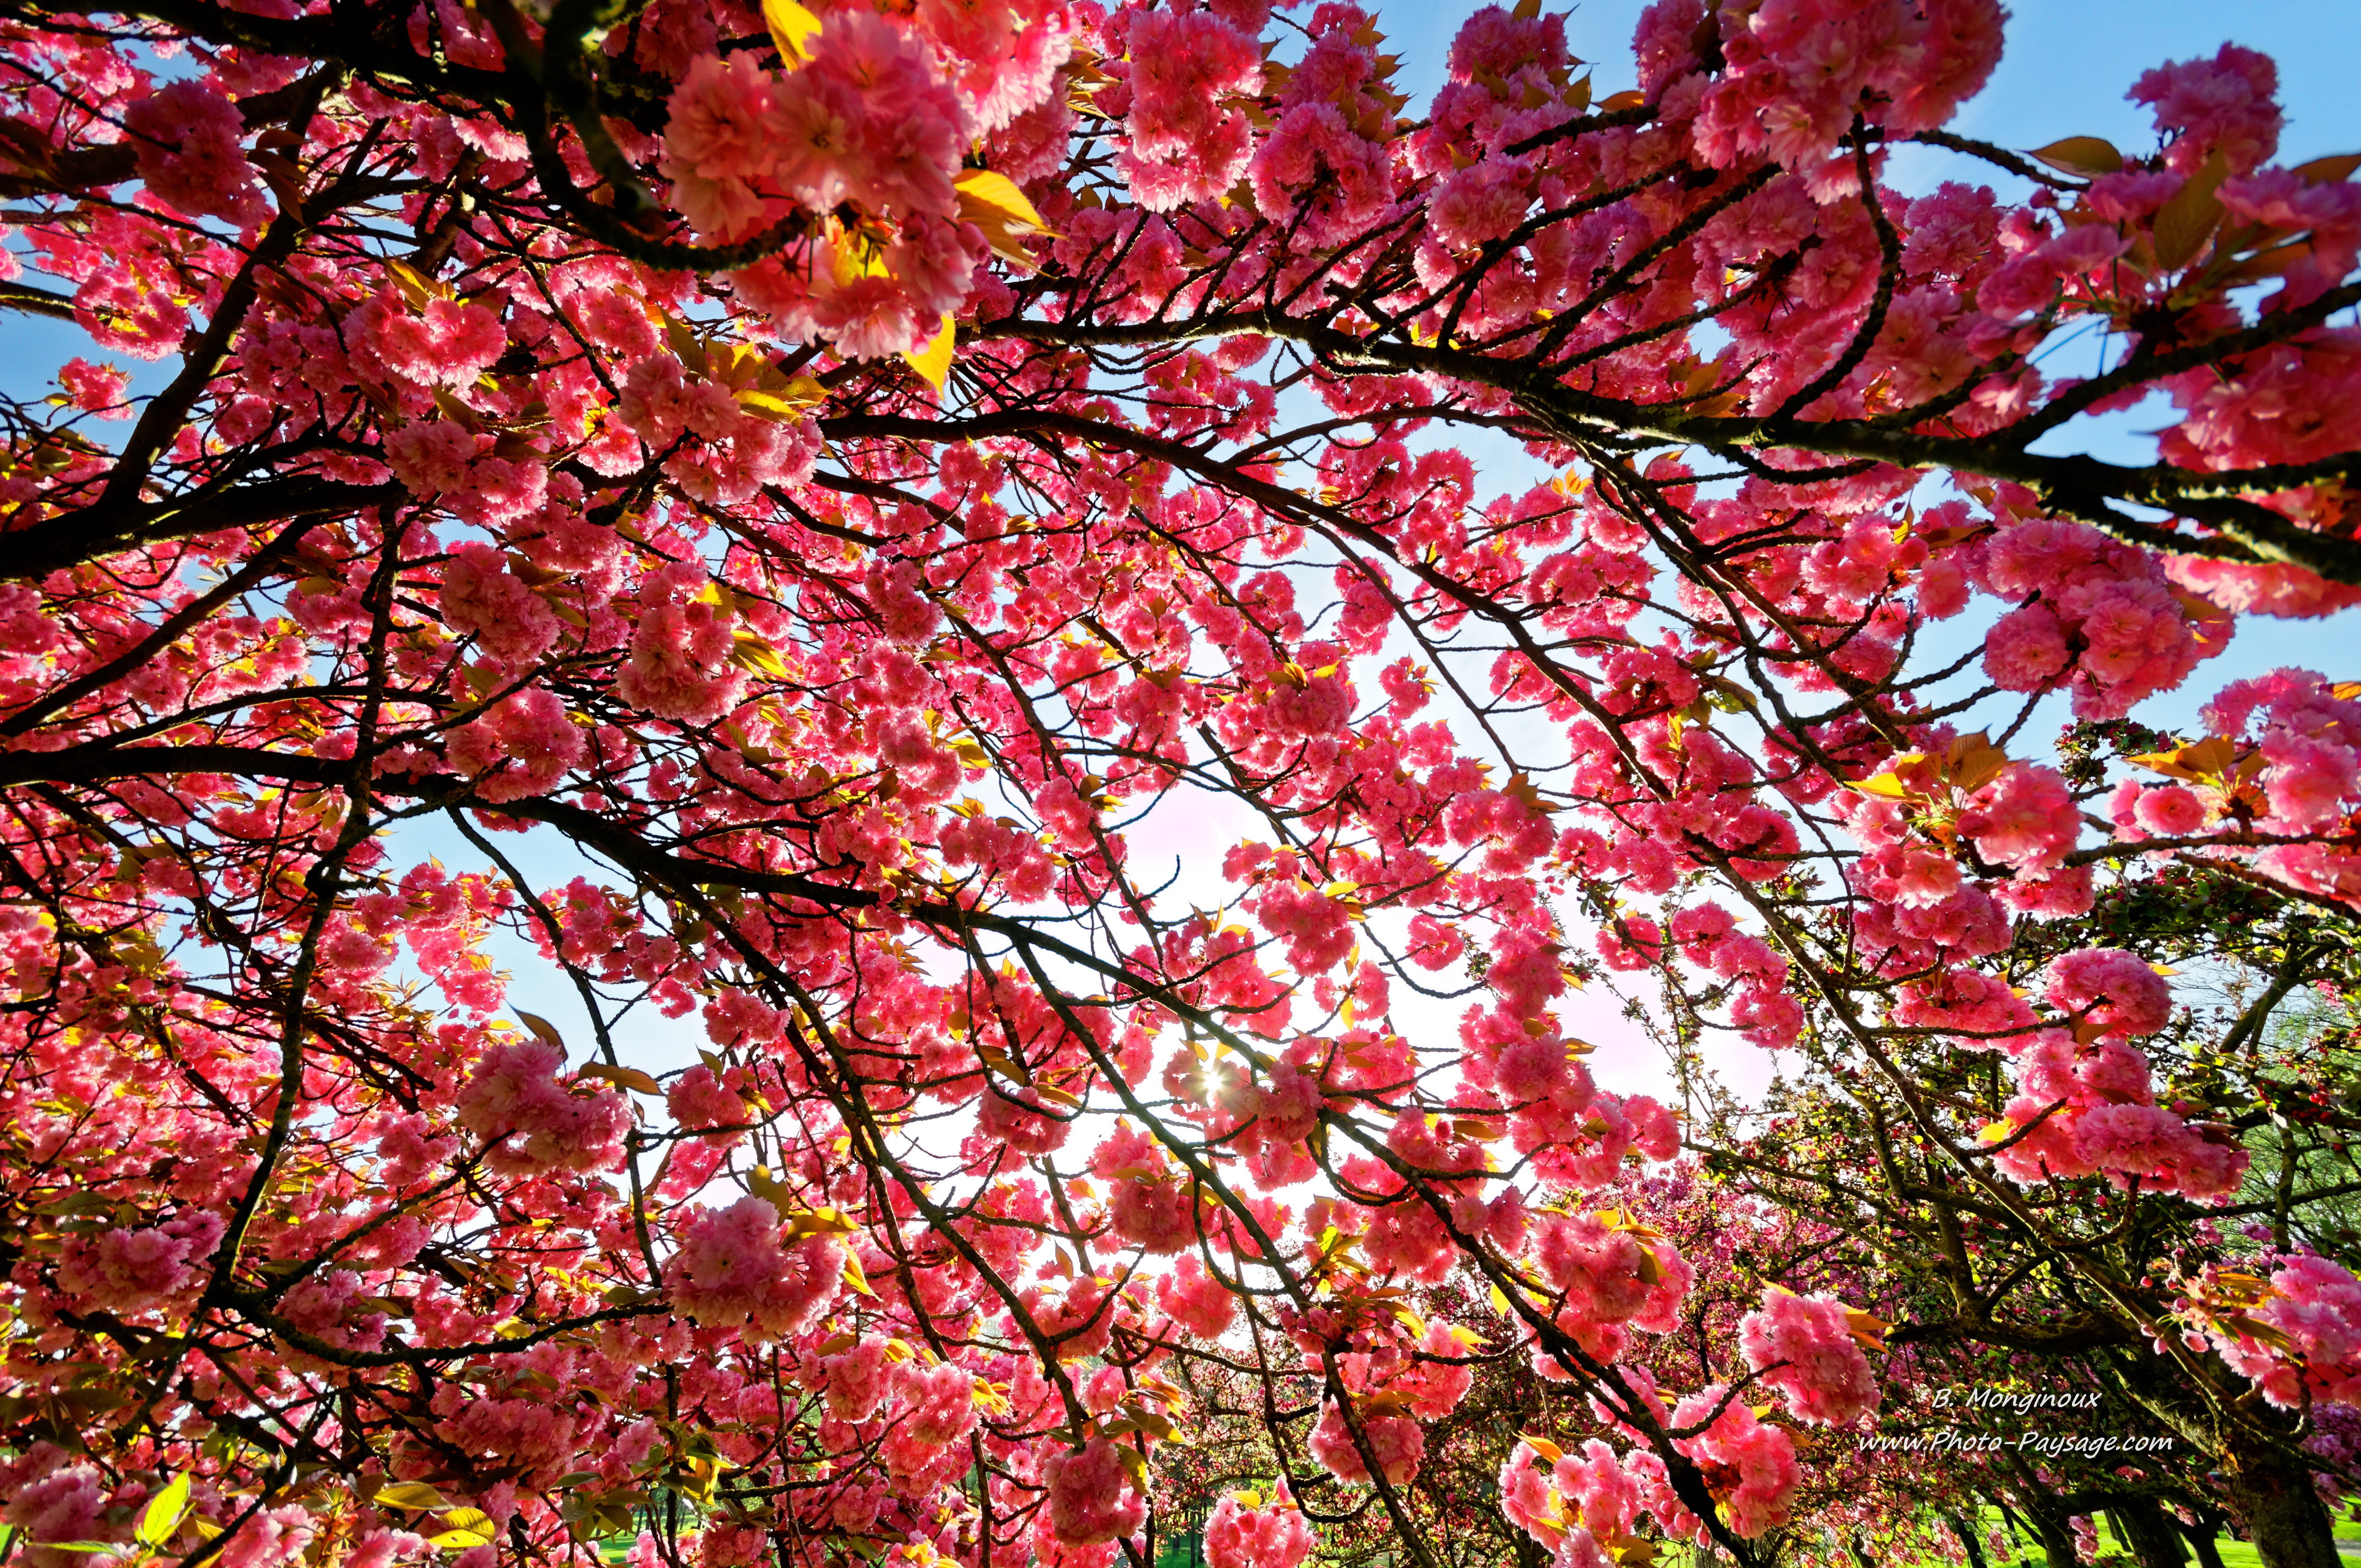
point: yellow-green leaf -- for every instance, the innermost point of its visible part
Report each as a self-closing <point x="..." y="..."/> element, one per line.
<point x="412" y="1494"/>
<point x="415" y="286"/>
<point x="993" y="202"/>
<point x="770" y="405"/>
<point x="687" y="347"/>
<point x="750" y="653"/>
<point x="934" y="361"/>
<point x="160" y="1519"/>
<point x="792" y="28"/>
<point x="2207" y="759"/>
<point x="1885" y="787"/>
<point x="855" y="1277"/>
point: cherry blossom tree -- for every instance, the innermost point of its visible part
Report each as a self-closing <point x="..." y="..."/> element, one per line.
<point x="1988" y="1302"/>
<point x="790" y="501"/>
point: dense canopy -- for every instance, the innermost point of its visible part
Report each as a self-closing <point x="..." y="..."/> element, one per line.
<point x="840" y="527"/>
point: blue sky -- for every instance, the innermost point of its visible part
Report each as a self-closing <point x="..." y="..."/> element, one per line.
<point x="2065" y="71"/>
<point x="2067" y="65"/>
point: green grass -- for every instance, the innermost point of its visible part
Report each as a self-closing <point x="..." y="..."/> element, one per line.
<point x="2234" y="1553"/>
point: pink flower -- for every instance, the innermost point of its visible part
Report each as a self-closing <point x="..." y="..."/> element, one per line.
<point x="2174" y="811"/>
<point x="2122" y="994"/>
<point x="1637" y="944"/>
<point x="2025" y="650"/>
<point x="2024" y="818"/>
<point x="1342" y="178"/>
<point x="531" y="1122"/>
<point x="431" y="456"/>
<point x="1195" y="1299"/>
<point x="2314" y="1356"/>
<point x="2308" y="780"/>
<point x="855" y="1382"/>
<point x="679" y="666"/>
<point x="1092" y="1497"/>
<point x="96" y="388"/>
<point x="2225" y="105"/>
<point x="187" y="136"/>
<point x="942" y="1403"/>
<point x="270" y="1538"/>
<point x="812" y="121"/>
<point x="1397" y="1441"/>
<point x="1272" y="1536"/>
<point x="130" y="1271"/>
<point x="733" y="1269"/>
<point x="717" y="128"/>
<point x="480" y="595"/>
<point x="519" y="747"/>
<point x="1804" y="1347"/>
<point x="447" y="343"/>
<point x="909" y="142"/>
<point x="1484" y="201"/>
<point x="1761" y="1458"/>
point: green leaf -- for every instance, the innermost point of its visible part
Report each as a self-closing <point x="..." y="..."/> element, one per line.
<point x="542" y="1028"/>
<point x="2184" y="223"/>
<point x="412" y="1494"/>
<point x="621" y="1077"/>
<point x="2088" y="157"/>
<point x="2328" y="170"/>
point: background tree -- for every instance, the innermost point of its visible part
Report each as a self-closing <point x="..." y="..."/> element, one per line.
<point x="1995" y="1300"/>
<point x="794" y="500"/>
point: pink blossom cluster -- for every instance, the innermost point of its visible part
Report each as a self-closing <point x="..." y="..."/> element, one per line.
<point x="855" y="493"/>
<point x="1396" y="1445"/>
<point x="1789" y="79"/>
<point x="1586" y="1506"/>
<point x="1093" y="1499"/>
<point x="2299" y="1345"/>
<point x="1758" y="1458"/>
<point x="1239" y="1534"/>
<point x="528" y="1120"/>
<point x="2086" y="1101"/>
<point x="188" y="135"/>
<point x="1804" y="1347"/>
<point x="740" y="1269"/>
<point x="1615" y="1278"/>
<point x="2104" y="622"/>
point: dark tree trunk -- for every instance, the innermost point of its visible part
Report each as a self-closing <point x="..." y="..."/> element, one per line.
<point x="2201" y="1537"/>
<point x="2057" y="1541"/>
<point x="1964" y="1526"/>
<point x="2285" y="1519"/>
<point x="2146" y="1530"/>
